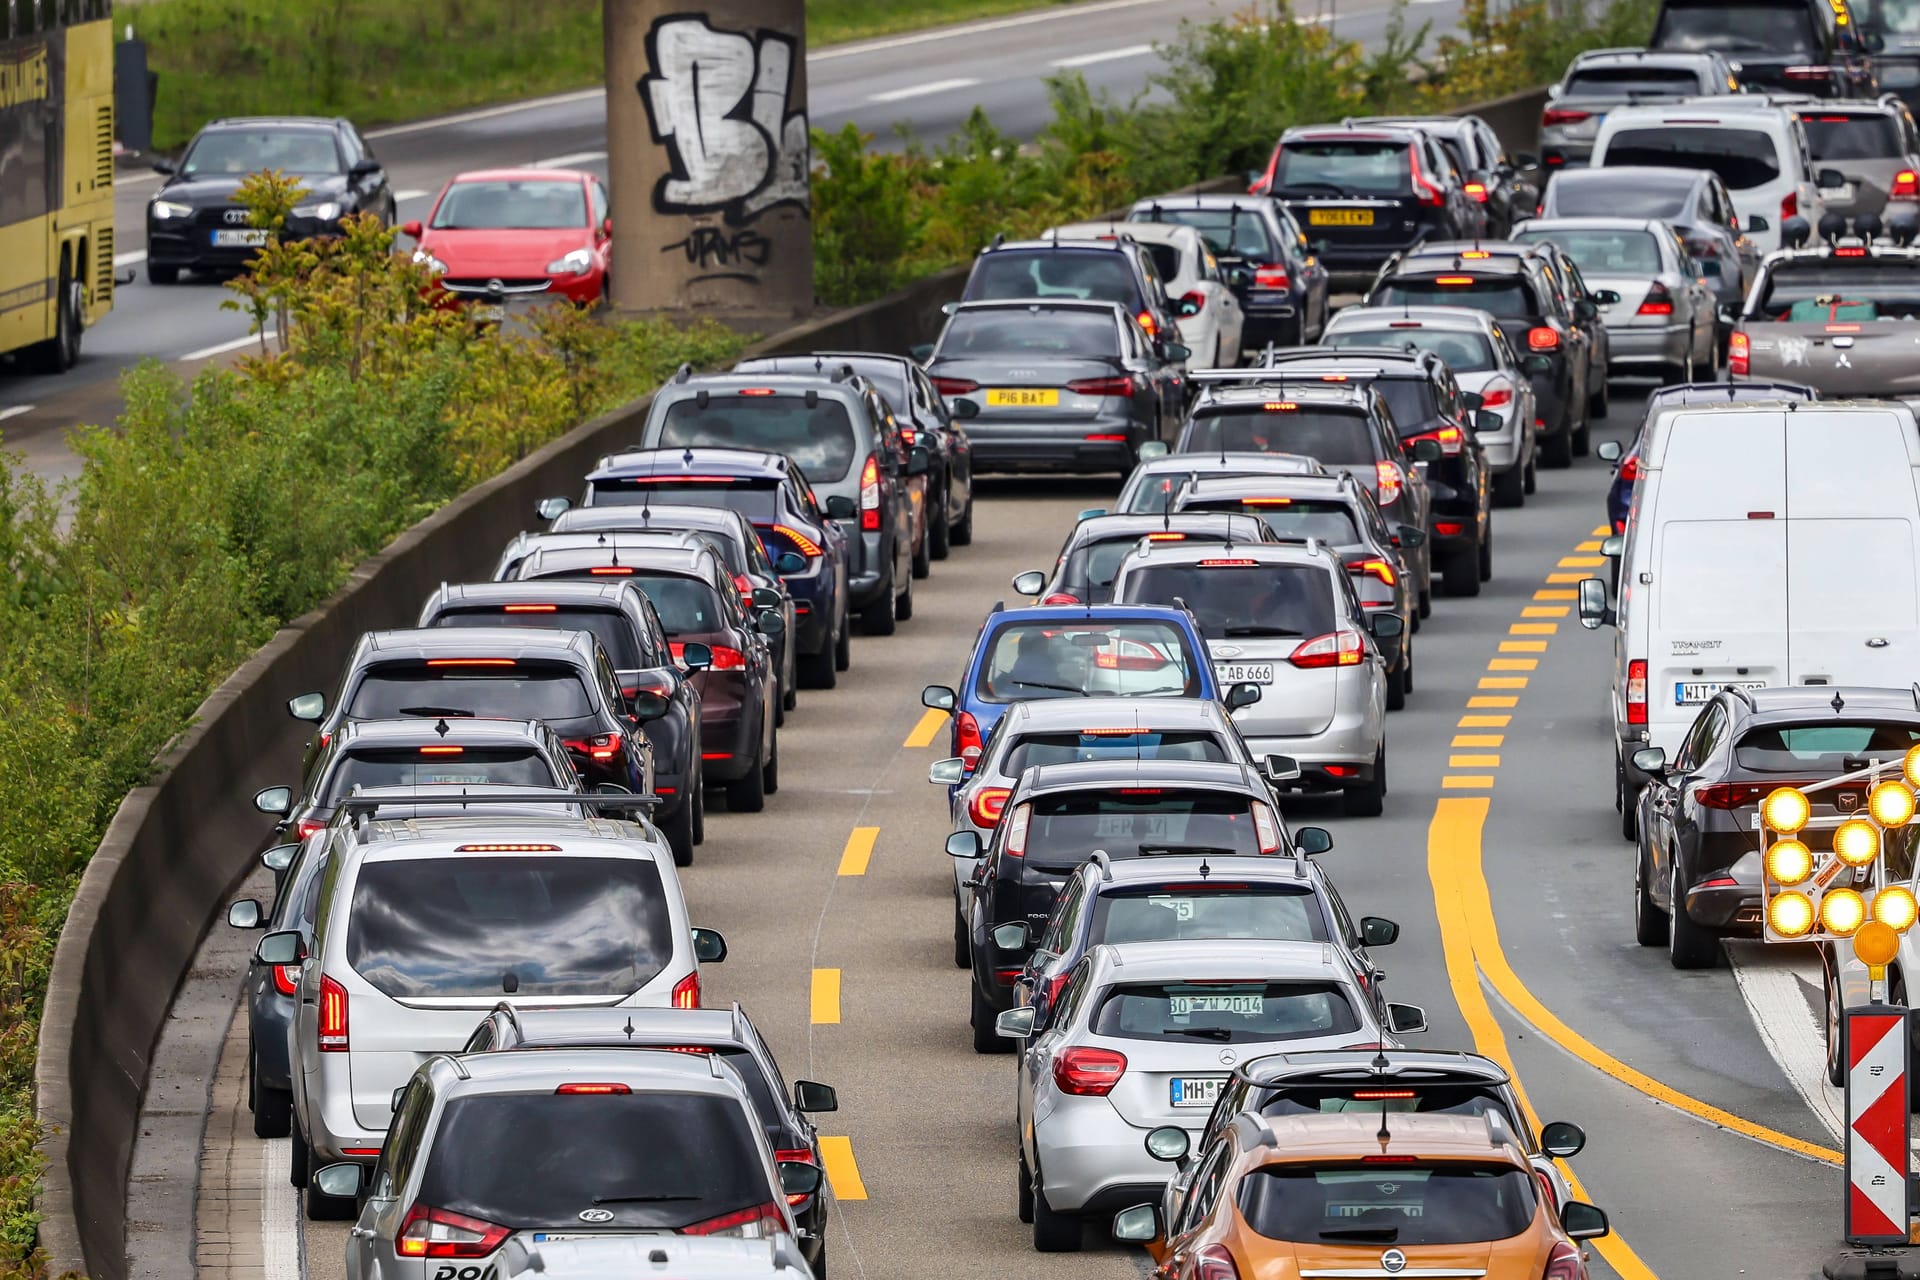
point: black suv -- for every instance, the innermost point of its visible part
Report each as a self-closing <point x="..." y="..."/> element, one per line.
<point x="1802" y="46"/>
<point x="1495" y="183"/>
<point x="1551" y="318"/>
<point x="1366" y="192"/>
<point x="193" y="221"/>
<point x="1091" y="270"/>
<point x="1056" y="818"/>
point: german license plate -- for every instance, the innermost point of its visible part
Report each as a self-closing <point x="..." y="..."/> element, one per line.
<point x="1194" y="1091"/>
<point x="239" y="239"/>
<point x="486" y="314"/>
<point x="1243" y="672"/>
<point x="1340" y="217"/>
<point x="1187" y="1006"/>
<point x="1691" y="693"/>
<point x="1023" y="397"/>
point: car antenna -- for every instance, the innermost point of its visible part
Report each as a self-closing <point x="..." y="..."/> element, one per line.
<point x="1385" y="1135"/>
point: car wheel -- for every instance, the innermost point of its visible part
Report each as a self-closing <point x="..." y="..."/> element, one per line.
<point x="843" y="645"/>
<point x="272" y="1108"/>
<point x="700" y="809"/>
<point x="1533" y="476"/>
<point x="962" y="533"/>
<point x="779" y="704"/>
<point x="923" y="552"/>
<point x="790" y="692"/>
<point x="1462" y="574"/>
<point x="679" y="833"/>
<point x="1597" y="403"/>
<point x="1426" y="598"/>
<point x="158" y="274"/>
<point x="817" y="670"/>
<point x="1510" y="487"/>
<point x="1024" y="1192"/>
<point x="962" y="946"/>
<point x="939" y="530"/>
<point x="1399" y="680"/>
<point x="1582" y="440"/>
<point x="748" y="794"/>
<point x="903" y="603"/>
<point x="877" y="619"/>
<point x="1486" y="553"/>
<point x="1053" y="1232"/>
<point x="1688" y="945"/>
<point x="770" y="771"/>
<point x="297" y="1158"/>
<point x="1368" y="799"/>
<point x="1406" y="667"/>
<point x="58" y="353"/>
<point x="985" y="1038"/>
<point x="1649" y="921"/>
<point x="1626" y="801"/>
<point x="1836" y="1033"/>
<point x="1556" y="451"/>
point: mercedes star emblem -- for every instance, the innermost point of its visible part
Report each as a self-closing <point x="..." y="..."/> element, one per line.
<point x="1393" y="1261"/>
<point x="1227" y="1058"/>
<point x="606" y="1215"/>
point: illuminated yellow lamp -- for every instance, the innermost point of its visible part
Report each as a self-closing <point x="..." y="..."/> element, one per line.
<point x="1842" y="911"/>
<point x="1789" y="862"/>
<point x="1790" y="914"/>
<point x="1895" y="907"/>
<point x="1856" y="843"/>
<point x="1786" y="809"/>
<point x="1875" y="946"/>
<point x="1891" y="804"/>
<point x="1911" y="766"/>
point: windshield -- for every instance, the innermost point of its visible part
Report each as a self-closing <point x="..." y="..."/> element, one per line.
<point x="1632" y="82"/>
<point x="608" y="626"/>
<point x="1773" y="30"/>
<point x="494" y="925"/>
<point x="1232" y="234"/>
<point x="1111" y="744"/>
<point x="536" y="205"/>
<point x="1209" y="909"/>
<point x="1743" y="158"/>
<point x="654" y="1161"/>
<point x="817" y="436"/>
<point x="1602" y="253"/>
<point x="1241" y="599"/>
<point x="1603" y="196"/>
<point x="1226" y="1012"/>
<point x="1853" y="137"/>
<point x="236" y="152"/>
<point x="758" y="500"/>
<point x="1464" y="352"/>
<point x="490" y="687"/>
<point x="1336" y="436"/>
<point x="1054" y="332"/>
<point x="430" y="765"/>
<point x="1066" y="827"/>
<point x="1389" y="1203"/>
<point x="1822" y="750"/>
<point x="1071" y="659"/>
<point x="1329" y="521"/>
<point x="1356" y="167"/>
<point x="1503" y="297"/>
<point x="1892" y="17"/>
<point x="1102" y="275"/>
<point x="1825" y="291"/>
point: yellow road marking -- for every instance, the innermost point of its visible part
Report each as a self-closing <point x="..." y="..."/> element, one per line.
<point x="1523" y="646"/>
<point x="1565" y="578"/>
<point x="1457" y="823"/>
<point x="842" y="1172"/>
<point x="1604" y="531"/>
<point x="1513" y="664"/>
<point x="1479" y="739"/>
<point x="859" y="851"/>
<point x="826" y="997"/>
<point x="1502" y="682"/>
<point x="1473" y="762"/>
<point x="1533" y="629"/>
<point x="1484" y="722"/>
<point x="1466" y="782"/>
<point x="1557" y="595"/>
<point x="927" y="730"/>
<point x="1545" y="611"/>
<point x="1582" y="562"/>
<point x="1493" y="700"/>
<point x="1592" y="545"/>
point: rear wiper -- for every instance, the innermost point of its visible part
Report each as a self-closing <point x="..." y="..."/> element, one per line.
<point x="1202" y="1033"/>
<point x="1218" y="851"/>
<point x="1257" y="630"/>
<point x="1312" y="186"/>
<point x="639" y="1199"/>
<point x="1041" y="684"/>
<point x="435" y="711"/>
<point x="1385" y="1235"/>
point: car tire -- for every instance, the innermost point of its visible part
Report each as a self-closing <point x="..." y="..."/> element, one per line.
<point x="1399" y="681"/>
<point x="1649" y="921"/>
<point x="903" y="603"/>
<point x="878" y="619"/>
<point x="939" y="530"/>
<point x="298" y="1156"/>
<point x="843" y="645"/>
<point x="1426" y="598"/>
<point x="1688" y="945"/>
<point x="1023" y="1193"/>
<point x="961" y="534"/>
<point x="923" y="551"/>
<point x="1462" y="574"/>
<point x="679" y="833"/>
<point x="1510" y="487"/>
<point x="790" y="692"/>
<point x="1596" y="405"/>
<point x="162" y="275"/>
<point x="272" y="1108"/>
<point x="770" y="771"/>
<point x="1626" y="802"/>
<point x="1533" y="477"/>
<point x="985" y="1038"/>
<point x="62" y="351"/>
<point x="1053" y="1232"/>
<point x="1834" y="1027"/>
<point x="962" y="945"/>
<point x="1556" y="451"/>
<point x="1368" y="799"/>
<point x="1486" y="553"/>
<point x="748" y="794"/>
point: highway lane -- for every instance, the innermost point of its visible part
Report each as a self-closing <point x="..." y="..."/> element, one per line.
<point x="1509" y="878"/>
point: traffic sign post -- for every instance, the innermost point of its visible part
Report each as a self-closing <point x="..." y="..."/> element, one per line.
<point x="1877" y="1135"/>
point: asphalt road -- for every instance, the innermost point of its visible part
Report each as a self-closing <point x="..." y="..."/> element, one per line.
<point x="929" y="81"/>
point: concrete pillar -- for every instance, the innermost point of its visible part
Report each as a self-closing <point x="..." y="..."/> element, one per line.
<point x="708" y="158"/>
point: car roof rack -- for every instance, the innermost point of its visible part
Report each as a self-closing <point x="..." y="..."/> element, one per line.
<point x="1100" y="858"/>
<point x="359" y="806"/>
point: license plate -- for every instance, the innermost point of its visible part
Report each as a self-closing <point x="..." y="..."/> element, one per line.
<point x="488" y="314"/>
<point x="1246" y="1006"/>
<point x="239" y="239"/>
<point x="1195" y="1091"/>
<point x="1243" y="672"/>
<point x="1339" y="217"/>
<point x="1023" y="397"/>
<point x="1691" y="693"/>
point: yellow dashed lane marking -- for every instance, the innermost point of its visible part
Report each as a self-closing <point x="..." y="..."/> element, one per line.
<point x="928" y="729"/>
<point x="842" y="1172"/>
<point x="1466" y="782"/>
<point x="826" y="997"/>
<point x="1604" y="531"/>
<point x="1485" y="722"/>
<point x="1513" y="664"/>
<point x="1565" y="578"/>
<point x="1533" y="629"/>
<point x="1593" y="545"/>
<point x="1503" y="682"/>
<point x="859" y="851"/>
<point x="1545" y="611"/>
<point x="1549" y="594"/>
<point x="1478" y="739"/>
<point x="1582" y="562"/>
<point x="1473" y="762"/>
<point x="1493" y="700"/>
<point x="1523" y="646"/>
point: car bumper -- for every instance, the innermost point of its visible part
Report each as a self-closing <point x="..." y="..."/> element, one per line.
<point x="1090" y="1159"/>
<point x="1277" y="324"/>
<point x="329" y="1123"/>
<point x="1058" y="446"/>
<point x="812" y="622"/>
<point x="1349" y="742"/>
<point x="1649" y="345"/>
<point x="1504" y="446"/>
<point x="1551" y="407"/>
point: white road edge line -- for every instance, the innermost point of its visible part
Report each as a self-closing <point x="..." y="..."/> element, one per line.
<point x="922" y="90"/>
<point x="220" y="349"/>
<point x="14" y="411"/>
<point x="488" y="113"/>
<point x="1105" y="55"/>
<point x="970" y="29"/>
<point x="570" y="161"/>
<point x="279" y="1213"/>
<point x="400" y="197"/>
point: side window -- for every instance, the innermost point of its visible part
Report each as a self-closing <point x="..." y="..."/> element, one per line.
<point x="1206" y="1187"/>
<point x="402" y="1148"/>
<point x="1074" y="994"/>
<point x="598" y="194"/>
<point x="659" y="654"/>
<point x="1066" y="921"/>
<point x="350" y="147"/>
<point x="482" y="1038"/>
<point x="1699" y="741"/>
<point x="1149" y="273"/>
<point x="329" y="881"/>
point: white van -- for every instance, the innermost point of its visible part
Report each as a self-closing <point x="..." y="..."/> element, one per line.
<point x="1768" y="543"/>
<point x="1757" y="146"/>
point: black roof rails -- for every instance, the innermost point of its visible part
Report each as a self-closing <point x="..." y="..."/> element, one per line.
<point x="684" y="372"/>
<point x="358" y="805"/>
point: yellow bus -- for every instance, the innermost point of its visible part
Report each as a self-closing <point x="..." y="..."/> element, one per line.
<point x="56" y="176"/>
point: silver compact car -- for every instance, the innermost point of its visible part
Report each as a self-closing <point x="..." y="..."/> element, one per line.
<point x="1143" y="1036"/>
<point x="1151" y="486"/>
<point x="1286" y="618"/>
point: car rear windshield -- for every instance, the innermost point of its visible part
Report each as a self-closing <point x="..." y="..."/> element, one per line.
<point x="1227" y="1012"/>
<point x="1096" y="563"/>
<point x="1388" y="1204"/>
<point x="1046" y="331"/>
<point x="1216" y="908"/>
<point x="1100" y="275"/>
<point x="1602" y="253"/>
<point x="1744" y="158"/>
<point x="1246" y="600"/>
<point x="757" y="499"/>
<point x="1071" y="659"/>
<point x="1753" y="27"/>
<point x="1393" y="1097"/>
<point x="1231" y="234"/>
<point x="1464" y="352"/>
<point x="1292" y="517"/>
<point x="541" y="204"/>
<point x="441" y="764"/>
<point x="1410" y="401"/>
<point x="1822" y="750"/>
<point x="1821" y="291"/>
<point x="1632" y="82"/>
<point x="818" y="436"/>
<point x="609" y="626"/>
<point x="1603" y="196"/>
<point x="1344" y="166"/>
<point x="1337" y="435"/>
<point x="1126" y="821"/>
<point x="494" y="925"/>
<point x="683" y="604"/>
<point x="504" y="688"/>
<point x="654" y="1160"/>
<point x="1112" y="744"/>
<point x="1504" y="297"/>
<point x="1860" y="136"/>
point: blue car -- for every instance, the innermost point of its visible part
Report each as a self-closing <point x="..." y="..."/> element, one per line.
<point x="272" y="990"/>
<point x="1627" y="458"/>
<point x="803" y="539"/>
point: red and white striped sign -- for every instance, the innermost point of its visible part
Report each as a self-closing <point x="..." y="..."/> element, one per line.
<point x="1877" y="1125"/>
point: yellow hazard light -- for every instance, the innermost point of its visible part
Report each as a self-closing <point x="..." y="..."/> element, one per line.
<point x="1789" y="862"/>
<point x="1790" y="914"/>
<point x="1911" y="767"/>
<point x="1875" y="945"/>
<point x="1894" y="907"/>
<point x="1891" y="804"/>
<point x="1786" y="810"/>
<point x="1856" y="843"/>
<point x="1842" y="911"/>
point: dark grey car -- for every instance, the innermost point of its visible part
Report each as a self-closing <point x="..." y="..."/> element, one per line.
<point x="1875" y="147"/>
<point x="1600" y="79"/>
<point x="1056" y="385"/>
<point x="272" y="990"/>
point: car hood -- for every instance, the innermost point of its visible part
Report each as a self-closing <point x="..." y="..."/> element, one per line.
<point x="203" y="191"/>
<point x="519" y="252"/>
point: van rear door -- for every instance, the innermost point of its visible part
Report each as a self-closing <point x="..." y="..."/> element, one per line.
<point x="1850" y="546"/>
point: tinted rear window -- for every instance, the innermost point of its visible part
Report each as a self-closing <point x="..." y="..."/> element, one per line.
<point x="681" y="603"/>
<point x="654" y="1160"/>
<point x="612" y="629"/>
<point x="1389" y="1204"/>
<point x="1463" y="352"/>
<point x="1099" y="275"/>
<point x="1822" y="750"/>
<point x="1043" y="332"/>
<point x="1743" y="158"/>
<point x="1241" y="235"/>
<point x="1623" y="82"/>
<point x="1250" y="602"/>
<point x="1890" y="290"/>
<point x="1770" y="30"/>
<point x="502" y="925"/>
<point x="427" y="766"/>
<point x="758" y="500"/>
<point x="1336" y="436"/>
<point x="1096" y="563"/>
<point x="523" y="691"/>
<point x="1410" y="402"/>
<point x="1209" y="910"/>
<point x="1292" y="517"/>
<point x="1344" y="167"/>
<point x="1852" y="137"/>
<point x="1127" y="821"/>
<point x="1230" y="1013"/>
<point x="1605" y="197"/>
<point x="1166" y="259"/>
<point x="818" y="437"/>
<point x="1070" y="659"/>
<point x="1602" y="253"/>
<point x="1104" y="744"/>
<point x="1503" y="297"/>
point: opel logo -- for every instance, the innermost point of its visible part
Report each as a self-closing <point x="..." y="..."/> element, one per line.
<point x="238" y="216"/>
<point x="1393" y="1261"/>
<point x="495" y="286"/>
<point x="606" y="1215"/>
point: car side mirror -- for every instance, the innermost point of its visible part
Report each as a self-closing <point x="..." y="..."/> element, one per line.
<point x="1425" y="451"/>
<point x="412" y="229"/>
<point x="966" y="410"/>
<point x="1828" y="179"/>
<point x="164" y="167"/>
<point x="1874" y="41"/>
<point x="364" y="168"/>
<point x="648" y="704"/>
<point x="1584" y="1221"/>
<point x="1239" y="277"/>
<point x="1563" y="1139"/>
<point x="1650" y="760"/>
<point x="1137" y="1225"/>
<point x="1377" y="931"/>
<point x="1313" y="840"/>
<point x="1242" y="695"/>
<point x="1758" y="223"/>
<point x="812" y="1097"/>
<point x="1089" y="513"/>
<point x="799" y="1178"/>
<point x="939" y="697"/>
<point x="1152" y="449"/>
<point x="311" y="707"/>
<point x="1610" y="451"/>
<point x="1595" y="612"/>
<point x="552" y="508"/>
<point x="696" y="656"/>
<point x="709" y="946"/>
<point x="1606" y="297"/>
<point x="948" y="308"/>
<point x="1030" y="583"/>
<point x="771" y="623"/>
<point x="341" y="1181"/>
<point x="963" y="844"/>
<point x="765" y="598"/>
<point x="950" y="772"/>
<point x="246" y="914"/>
<point x="1175" y="352"/>
<point x="789" y="562"/>
<point x="1186" y="307"/>
<point x="1280" y="768"/>
<point x="1406" y="1019"/>
<point x="279" y="858"/>
<point x="1537" y="364"/>
<point x="921" y="352"/>
<point x="1472" y="399"/>
<point x="1613" y="546"/>
<point x="275" y="802"/>
<point x="1013" y="936"/>
<point x="1410" y="536"/>
<point x="1016" y="1024"/>
<point x="1585" y="308"/>
<point x="1168" y="1144"/>
<point x="1385" y="626"/>
<point x="1485" y="420"/>
<point x="284" y="947"/>
<point x="918" y="460"/>
<point x="840" y="507"/>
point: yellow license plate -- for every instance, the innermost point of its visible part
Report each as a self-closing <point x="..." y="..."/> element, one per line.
<point x="1340" y="217"/>
<point x="1023" y="397"/>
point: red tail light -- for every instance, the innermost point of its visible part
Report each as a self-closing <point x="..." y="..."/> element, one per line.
<point x="686" y="992"/>
<point x="1637" y="691"/>
<point x="1543" y="338"/>
<point x="612" y="571"/>
<point x="966" y="739"/>
<point x="1016" y="842"/>
<point x="1374" y="567"/>
<point x="532" y="608"/>
<point x="1477" y="190"/>
<point x="744" y="585"/>
<point x="1553" y="117"/>
<point x="1215" y="1262"/>
<point x="1088" y="1072"/>
<point x="1729" y="795"/>
<point x="797" y="1155"/>
<point x="954" y="386"/>
<point x="1335" y="649"/>
<point x="987" y="805"/>
<point x="1128" y="655"/>
<point x="801" y="542"/>
<point x="602" y="1090"/>
<point x="1388" y="474"/>
<point x="1450" y="439"/>
<point x="1564" y="1263"/>
<point x="1808" y="73"/>
<point x="427" y="1232"/>
<point x="1147" y="322"/>
<point x="1739" y="354"/>
<point x="286" y="979"/>
<point x="725" y="657"/>
<point x="1906" y="185"/>
<point x="1659" y="302"/>
<point x="757" y="1223"/>
<point x="1266" y="828"/>
<point x="307" y="826"/>
<point x="1424" y="192"/>
<point x="1273" y="277"/>
<point x="1449" y="528"/>
<point x="1054" y="984"/>
<point x="870" y="495"/>
<point x="604" y="746"/>
<point x="1061" y="597"/>
<point x="1789" y="205"/>
<point x="333" y="1016"/>
<point x="1263" y="184"/>
<point x="1496" y="395"/>
<point x="443" y="751"/>
<point x="1629" y="470"/>
<point x="1197" y="299"/>
<point x="1101" y="387"/>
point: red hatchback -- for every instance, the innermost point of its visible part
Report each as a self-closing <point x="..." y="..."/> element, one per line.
<point x="521" y="232"/>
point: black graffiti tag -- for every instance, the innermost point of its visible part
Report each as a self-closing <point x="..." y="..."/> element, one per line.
<point x="720" y="254"/>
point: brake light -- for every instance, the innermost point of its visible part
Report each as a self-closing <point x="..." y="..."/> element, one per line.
<point x="1449" y="528"/>
<point x="1196" y="299"/>
<point x="531" y="608"/>
<point x="598" y="1089"/>
<point x="1054" y="984"/>
<point x="1273" y="277"/>
<point x="1279" y="406"/>
<point x="909" y="436"/>
<point x="1166" y="537"/>
<point x="1016" y="845"/>
<point x="870" y="495"/>
<point x="1388" y="474"/>
<point x="1215" y="1262"/>
<point x="757" y="1223"/>
<point x="1659" y="302"/>
<point x="1381" y="1095"/>
<point x="443" y="751"/>
<point x="1848" y="251"/>
<point x="686" y="992"/>
<point x="954" y="386"/>
<point x="612" y="571"/>
<point x="1477" y="190"/>
<point x="1128" y="655"/>
<point x="725" y="657"/>
<point x="1061" y="597"/>
<point x="1374" y="567"/>
<point x="744" y="585"/>
<point x="1906" y="184"/>
<point x="507" y="848"/>
<point x="1553" y="117"/>
<point x="1738" y="354"/>
<point x="472" y="662"/>
<point x="756" y="391"/>
<point x="1629" y="469"/>
<point x="1789" y="205"/>
<point x="1122" y="386"/>
<point x="1424" y="192"/>
<point x="1563" y="1263"/>
<point x="1147" y="322"/>
<point x="1088" y="1072"/>
<point x="1389" y="1159"/>
<point x="307" y="826"/>
<point x="286" y="978"/>
<point x="333" y="1016"/>
<point x="1729" y="795"/>
<point x="1341" y="648"/>
<point x="1450" y="439"/>
<point x="1637" y="691"/>
<point x="798" y="1155"/>
<point x="966" y="739"/>
<point x="987" y="805"/>
<point x="801" y="542"/>
<point x="427" y="1232"/>
<point x="1807" y="73"/>
<point x="1453" y="281"/>
<point x="1228" y="564"/>
<point x="1266" y="828"/>
<point x="1496" y="395"/>
<point x="1543" y="338"/>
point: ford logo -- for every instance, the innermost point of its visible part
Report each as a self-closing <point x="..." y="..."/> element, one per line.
<point x="1393" y="1261"/>
<point x="238" y="217"/>
<point x="604" y="1215"/>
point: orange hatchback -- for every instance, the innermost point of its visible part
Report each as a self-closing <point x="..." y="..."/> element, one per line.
<point x="1364" y="1194"/>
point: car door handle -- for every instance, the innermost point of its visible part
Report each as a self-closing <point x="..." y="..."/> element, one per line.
<point x="362" y="1233"/>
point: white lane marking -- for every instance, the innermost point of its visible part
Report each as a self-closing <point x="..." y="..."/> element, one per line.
<point x="921" y="90"/>
<point x="14" y="411"/>
<point x="1314" y="20"/>
<point x="1105" y="55"/>
<point x="1775" y="987"/>
<point x="401" y="197"/>
<point x="279" y="1206"/>
<point x="571" y="161"/>
<point x="973" y="28"/>
<point x="130" y="259"/>
<point x="220" y="349"/>
<point x="488" y="113"/>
